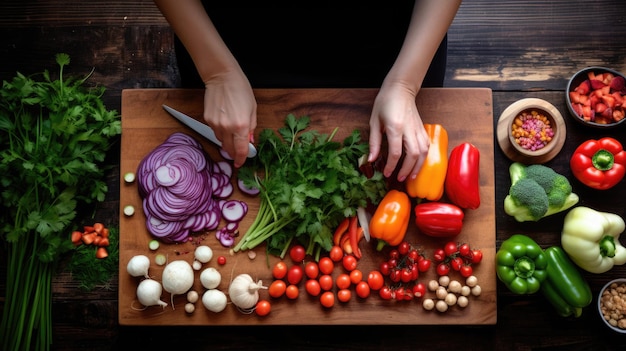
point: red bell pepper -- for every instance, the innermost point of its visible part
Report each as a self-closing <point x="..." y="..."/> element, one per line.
<point x="462" y="178"/>
<point x="439" y="219"/>
<point x="599" y="164"/>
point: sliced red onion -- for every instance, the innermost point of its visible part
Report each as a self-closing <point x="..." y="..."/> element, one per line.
<point x="247" y="190"/>
<point x="231" y="227"/>
<point x="234" y="210"/>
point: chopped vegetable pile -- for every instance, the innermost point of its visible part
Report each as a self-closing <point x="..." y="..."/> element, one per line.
<point x="308" y="185"/>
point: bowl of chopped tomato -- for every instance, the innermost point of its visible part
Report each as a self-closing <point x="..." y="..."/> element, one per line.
<point x="596" y="97"/>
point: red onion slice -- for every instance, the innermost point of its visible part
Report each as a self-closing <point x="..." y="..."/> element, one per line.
<point x="234" y="210"/>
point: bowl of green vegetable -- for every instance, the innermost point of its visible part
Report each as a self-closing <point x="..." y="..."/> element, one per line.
<point x="612" y="305"/>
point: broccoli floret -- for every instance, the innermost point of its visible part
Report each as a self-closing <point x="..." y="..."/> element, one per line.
<point x="537" y="191"/>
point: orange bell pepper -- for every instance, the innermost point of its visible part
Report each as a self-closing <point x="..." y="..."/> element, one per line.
<point x="391" y="219"/>
<point x="429" y="183"/>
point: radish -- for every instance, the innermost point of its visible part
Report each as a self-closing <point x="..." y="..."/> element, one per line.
<point x="214" y="300"/>
<point x="178" y="278"/>
<point x="210" y="278"/>
<point x="149" y="293"/>
<point x="138" y="266"/>
<point x="203" y="254"/>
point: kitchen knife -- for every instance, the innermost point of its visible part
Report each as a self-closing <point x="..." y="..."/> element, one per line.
<point x="202" y="128"/>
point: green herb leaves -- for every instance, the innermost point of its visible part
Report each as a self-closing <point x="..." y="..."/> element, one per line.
<point x="308" y="184"/>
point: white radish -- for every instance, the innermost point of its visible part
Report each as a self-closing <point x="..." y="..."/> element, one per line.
<point x="214" y="300"/>
<point x="177" y="278"/>
<point x="244" y="292"/>
<point x="203" y="253"/>
<point x="149" y="293"/>
<point x="210" y="278"/>
<point x="138" y="266"/>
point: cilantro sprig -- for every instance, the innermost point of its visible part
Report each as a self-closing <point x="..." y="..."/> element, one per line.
<point x="308" y="184"/>
<point x="54" y="135"/>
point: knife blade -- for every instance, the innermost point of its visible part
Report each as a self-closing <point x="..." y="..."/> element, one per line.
<point x="202" y="128"/>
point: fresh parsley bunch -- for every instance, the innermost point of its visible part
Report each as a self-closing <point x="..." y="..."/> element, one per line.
<point x="54" y="134"/>
<point x="308" y="184"/>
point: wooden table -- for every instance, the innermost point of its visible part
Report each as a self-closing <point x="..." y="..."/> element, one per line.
<point x="89" y="321"/>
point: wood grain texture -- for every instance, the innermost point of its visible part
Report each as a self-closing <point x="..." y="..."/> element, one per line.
<point x="145" y="125"/>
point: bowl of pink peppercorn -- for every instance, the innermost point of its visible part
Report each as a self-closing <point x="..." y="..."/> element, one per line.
<point x="531" y="130"/>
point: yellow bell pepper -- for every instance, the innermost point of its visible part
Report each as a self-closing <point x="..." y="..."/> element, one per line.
<point x="391" y="219"/>
<point x="429" y="183"/>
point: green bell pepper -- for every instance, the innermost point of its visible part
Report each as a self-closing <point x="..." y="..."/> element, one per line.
<point x="521" y="264"/>
<point x="565" y="287"/>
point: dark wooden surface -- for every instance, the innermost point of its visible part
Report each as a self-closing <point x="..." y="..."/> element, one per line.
<point x="517" y="48"/>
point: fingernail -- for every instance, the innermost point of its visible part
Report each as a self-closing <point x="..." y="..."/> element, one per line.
<point x="370" y="157"/>
<point x="401" y="179"/>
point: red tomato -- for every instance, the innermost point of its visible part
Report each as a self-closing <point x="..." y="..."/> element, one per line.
<point x="327" y="299"/>
<point x="385" y="269"/>
<point x="450" y="248"/>
<point x="356" y="276"/>
<point x="280" y="270"/>
<point x="344" y="295"/>
<point x="292" y="292"/>
<point x="375" y="280"/>
<point x="297" y="253"/>
<point x="221" y="260"/>
<point x="362" y="289"/>
<point x="404" y="247"/>
<point x="277" y="288"/>
<point x="394" y="254"/>
<point x="466" y="271"/>
<point x="456" y="263"/>
<point x="424" y="265"/>
<point x="263" y="308"/>
<point x="406" y="275"/>
<point x="326" y="282"/>
<point x="336" y="253"/>
<point x="349" y="263"/>
<point x="312" y="287"/>
<point x="439" y="255"/>
<point x="311" y="269"/>
<point x="343" y="281"/>
<point x="443" y="268"/>
<point x="385" y="293"/>
<point x="464" y="250"/>
<point x="419" y="290"/>
<point x="414" y="255"/>
<point x="326" y="265"/>
<point x="295" y="274"/>
<point x="477" y="256"/>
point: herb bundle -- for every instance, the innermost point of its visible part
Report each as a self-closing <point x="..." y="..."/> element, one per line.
<point x="54" y="133"/>
<point x="308" y="184"/>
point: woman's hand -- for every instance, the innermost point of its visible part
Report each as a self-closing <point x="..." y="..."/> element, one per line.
<point x="395" y="114"/>
<point x="230" y="109"/>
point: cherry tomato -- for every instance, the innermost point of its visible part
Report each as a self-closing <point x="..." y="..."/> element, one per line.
<point x="419" y="290"/>
<point x="424" y="265"/>
<point x="356" y="276"/>
<point x="263" y="308"/>
<point x="415" y="272"/>
<point x="312" y="287"/>
<point x="456" y="263"/>
<point x="297" y="253"/>
<point x="404" y="247"/>
<point x="344" y="295"/>
<point x="396" y="275"/>
<point x="464" y="250"/>
<point x="450" y="248"/>
<point x="443" y="268"/>
<point x="414" y="255"/>
<point x="221" y="260"/>
<point x="399" y="294"/>
<point x="392" y="262"/>
<point x="326" y="281"/>
<point x="439" y="255"/>
<point x="311" y="269"/>
<point x="277" y="288"/>
<point x="295" y="274"/>
<point x="327" y="299"/>
<point x="375" y="280"/>
<point x="385" y="293"/>
<point x="292" y="292"/>
<point x="406" y="275"/>
<point x="349" y="262"/>
<point x="336" y="253"/>
<point x="385" y="269"/>
<point x="280" y="270"/>
<point x="394" y="254"/>
<point x="343" y="281"/>
<point x="362" y="289"/>
<point x="326" y="265"/>
<point x="477" y="256"/>
<point x="466" y="271"/>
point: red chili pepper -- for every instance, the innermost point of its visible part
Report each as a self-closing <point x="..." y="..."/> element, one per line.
<point x="439" y="219"/>
<point x="462" y="178"/>
<point x="599" y="164"/>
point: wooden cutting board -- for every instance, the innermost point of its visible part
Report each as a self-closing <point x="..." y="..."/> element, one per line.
<point x="467" y="115"/>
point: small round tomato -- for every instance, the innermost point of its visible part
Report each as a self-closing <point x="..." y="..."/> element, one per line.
<point x="406" y="275"/>
<point x="395" y="275"/>
<point x="477" y="256"/>
<point x="466" y="271"/>
<point x="263" y="308"/>
<point x="450" y="248"/>
<point x="327" y="299"/>
<point x="464" y="250"/>
<point x="349" y="263"/>
<point x="356" y="276"/>
<point x="443" y="268"/>
<point x="311" y="269"/>
<point x="280" y="270"/>
<point x="362" y="289"/>
<point x="394" y="254"/>
<point x="277" y="288"/>
<point x="336" y="253"/>
<point x="221" y="260"/>
<point x="385" y="269"/>
<point x="404" y="247"/>
<point x="312" y="287"/>
<point x="456" y="263"/>
<point x="419" y="290"/>
<point x="326" y="281"/>
<point x="414" y="255"/>
<point x="292" y="292"/>
<point x="439" y="255"/>
<point x="295" y="274"/>
<point x="344" y="295"/>
<point x="326" y="265"/>
<point x="375" y="280"/>
<point x="385" y="293"/>
<point x="424" y="265"/>
<point x="297" y="253"/>
<point x="343" y="281"/>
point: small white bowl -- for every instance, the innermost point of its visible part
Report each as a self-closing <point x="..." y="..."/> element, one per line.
<point x="607" y="285"/>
